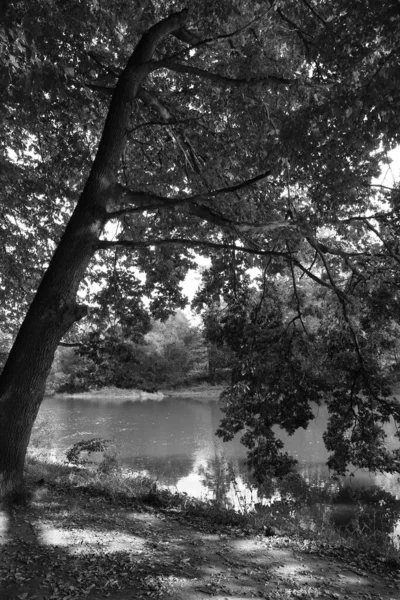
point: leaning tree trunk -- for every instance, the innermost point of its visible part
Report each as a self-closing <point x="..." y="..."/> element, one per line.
<point x="54" y="308"/>
<point x="53" y="311"/>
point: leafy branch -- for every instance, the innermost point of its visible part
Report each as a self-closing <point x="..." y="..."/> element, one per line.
<point x="147" y="202"/>
<point x="216" y="77"/>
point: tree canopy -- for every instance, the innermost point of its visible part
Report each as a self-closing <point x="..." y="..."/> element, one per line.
<point x="249" y="132"/>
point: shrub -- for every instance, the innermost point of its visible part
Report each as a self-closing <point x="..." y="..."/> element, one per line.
<point x="88" y="447"/>
<point x="42" y="438"/>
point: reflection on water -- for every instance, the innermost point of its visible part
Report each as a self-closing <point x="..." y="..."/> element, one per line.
<point x="170" y="439"/>
<point x="173" y="441"/>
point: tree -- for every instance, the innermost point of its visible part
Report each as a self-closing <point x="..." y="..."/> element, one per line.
<point x="174" y="348"/>
<point x="163" y="353"/>
<point x="245" y="130"/>
<point x="292" y="347"/>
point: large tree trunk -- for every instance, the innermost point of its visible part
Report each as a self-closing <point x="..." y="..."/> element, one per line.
<point x="54" y="308"/>
<point x="53" y="311"/>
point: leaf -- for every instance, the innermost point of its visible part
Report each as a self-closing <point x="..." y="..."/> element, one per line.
<point x="14" y="61"/>
<point x="69" y="71"/>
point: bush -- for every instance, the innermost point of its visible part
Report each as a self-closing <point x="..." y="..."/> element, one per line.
<point x="110" y="463"/>
<point x="80" y="452"/>
<point x="42" y="438"/>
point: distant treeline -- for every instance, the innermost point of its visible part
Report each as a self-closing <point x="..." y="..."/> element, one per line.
<point x="173" y="353"/>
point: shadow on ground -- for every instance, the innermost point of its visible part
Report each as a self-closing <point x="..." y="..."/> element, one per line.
<point x="65" y="546"/>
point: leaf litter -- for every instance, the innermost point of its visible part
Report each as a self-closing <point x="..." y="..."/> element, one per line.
<point x="69" y="548"/>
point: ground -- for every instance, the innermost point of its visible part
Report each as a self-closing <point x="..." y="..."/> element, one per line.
<point x="66" y="544"/>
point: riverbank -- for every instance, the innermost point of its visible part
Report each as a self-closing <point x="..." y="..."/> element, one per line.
<point x="114" y="394"/>
<point x="202" y="393"/>
<point x="80" y="538"/>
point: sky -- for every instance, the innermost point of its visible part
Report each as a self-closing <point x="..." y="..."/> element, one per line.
<point x="391" y="173"/>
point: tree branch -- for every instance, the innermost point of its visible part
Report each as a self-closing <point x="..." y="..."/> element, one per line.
<point x="106" y="245"/>
<point x="302" y="34"/>
<point x="163" y="123"/>
<point x="153" y="102"/>
<point x="320" y="247"/>
<point x="207" y="214"/>
<point x="189" y="243"/>
<point x="296" y="295"/>
<point x="365" y="218"/>
<point x="311" y="275"/>
<point x="146" y="201"/>
<point x="314" y="12"/>
<point x="112" y="142"/>
<point x="103" y="89"/>
<point x="216" y="78"/>
<point x="343" y="302"/>
<point x="341" y="295"/>
<point x="165" y="114"/>
<point x="383" y="187"/>
<point x="189" y="37"/>
<point x="107" y="68"/>
<point x="386" y="245"/>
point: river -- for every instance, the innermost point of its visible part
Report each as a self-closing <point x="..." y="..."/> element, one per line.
<point x="174" y="438"/>
<point x="173" y="441"/>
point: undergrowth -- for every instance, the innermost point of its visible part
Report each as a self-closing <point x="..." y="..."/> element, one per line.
<point x="298" y="512"/>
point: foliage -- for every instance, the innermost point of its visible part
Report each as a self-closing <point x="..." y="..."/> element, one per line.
<point x="358" y="519"/>
<point x="166" y="355"/>
<point x="175" y="348"/>
<point x="377" y="511"/>
<point x="304" y="515"/>
<point x="249" y="133"/>
<point x="74" y="454"/>
<point x="89" y="558"/>
<point x="42" y="439"/>
<point x="5" y="345"/>
<point x="291" y="348"/>
<point x="108" y="360"/>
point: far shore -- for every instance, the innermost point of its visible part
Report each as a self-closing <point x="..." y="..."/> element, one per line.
<point x="203" y="392"/>
<point x="200" y="393"/>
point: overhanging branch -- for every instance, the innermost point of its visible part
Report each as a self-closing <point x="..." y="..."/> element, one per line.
<point x="217" y="78"/>
<point x="190" y="243"/>
<point x="321" y="247"/>
<point x="385" y="244"/>
<point x="139" y="65"/>
<point x="189" y="37"/>
<point x="163" y="123"/>
<point x="153" y="102"/>
<point x="146" y="201"/>
<point x="377" y="216"/>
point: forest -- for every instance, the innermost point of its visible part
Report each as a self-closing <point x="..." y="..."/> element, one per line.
<point x="137" y="136"/>
<point x="173" y="354"/>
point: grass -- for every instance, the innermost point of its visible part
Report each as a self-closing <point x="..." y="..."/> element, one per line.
<point x="298" y="510"/>
<point x="85" y="536"/>
<point x="285" y="517"/>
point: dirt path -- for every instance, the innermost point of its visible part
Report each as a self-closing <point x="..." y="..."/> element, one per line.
<point x="64" y="547"/>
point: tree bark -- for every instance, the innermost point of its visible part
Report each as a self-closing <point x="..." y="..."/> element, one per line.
<point x="53" y="311"/>
<point x="54" y="308"/>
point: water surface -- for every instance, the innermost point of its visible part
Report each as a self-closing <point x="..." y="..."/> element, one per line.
<point x="173" y="440"/>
